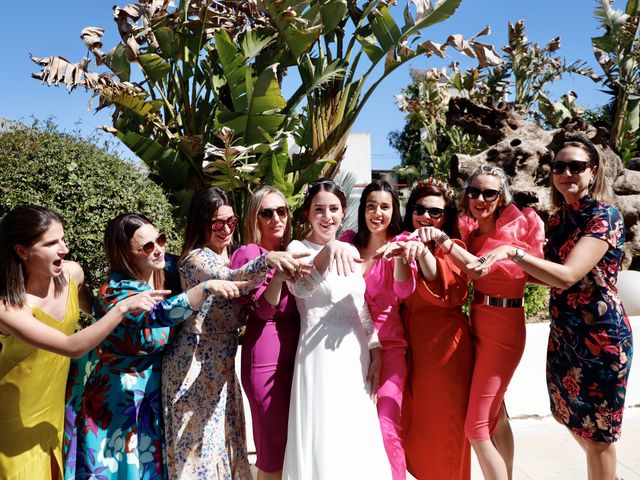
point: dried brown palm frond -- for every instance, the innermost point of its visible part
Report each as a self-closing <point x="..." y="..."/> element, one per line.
<point x="234" y="16"/>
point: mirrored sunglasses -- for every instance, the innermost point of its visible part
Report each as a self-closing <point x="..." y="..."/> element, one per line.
<point x="267" y="213"/>
<point x="489" y="195"/>
<point x="575" y="167"/>
<point x="434" y="212"/>
<point x="148" y="247"/>
<point x="230" y="222"/>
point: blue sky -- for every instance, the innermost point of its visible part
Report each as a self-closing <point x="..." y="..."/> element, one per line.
<point x="53" y="28"/>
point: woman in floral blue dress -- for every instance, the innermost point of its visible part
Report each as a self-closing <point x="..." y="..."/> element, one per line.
<point x="590" y="343"/>
<point x="119" y="423"/>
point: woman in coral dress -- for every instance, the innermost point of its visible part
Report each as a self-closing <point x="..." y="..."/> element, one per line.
<point x="271" y="336"/>
<point x="440" y="343"/>
<point x="333" y="431"/>
<point x="497" y="310"/>
<point x="389" y="281"/>
<point x="590" y="342"/>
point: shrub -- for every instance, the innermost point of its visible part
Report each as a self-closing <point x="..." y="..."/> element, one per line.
<point x="84" y="183"/>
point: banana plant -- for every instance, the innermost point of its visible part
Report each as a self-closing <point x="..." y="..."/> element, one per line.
<point x="618" y="53"/>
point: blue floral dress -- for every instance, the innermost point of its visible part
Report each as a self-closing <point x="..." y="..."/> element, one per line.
<point x="590" y="343"/>
<point x="118" y="431"/>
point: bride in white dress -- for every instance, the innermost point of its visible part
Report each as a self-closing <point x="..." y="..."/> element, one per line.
<point x="333" y="430"/>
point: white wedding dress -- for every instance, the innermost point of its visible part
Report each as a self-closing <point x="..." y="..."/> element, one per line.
<point x="333" y="431"/>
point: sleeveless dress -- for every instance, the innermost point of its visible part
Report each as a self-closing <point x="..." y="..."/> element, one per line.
<point x="333" y="431"/>
<point x="32" y="387"/>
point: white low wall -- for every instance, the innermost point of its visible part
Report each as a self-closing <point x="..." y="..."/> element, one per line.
<point x="527" y="393"/>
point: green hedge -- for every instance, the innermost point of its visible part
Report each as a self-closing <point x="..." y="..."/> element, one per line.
<point x="84" y="183"/>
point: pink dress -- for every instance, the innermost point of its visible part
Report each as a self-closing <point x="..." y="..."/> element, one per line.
<point x="268" y="355"/>
<point x="498" y="332"/>
<point x="383" y="296"/>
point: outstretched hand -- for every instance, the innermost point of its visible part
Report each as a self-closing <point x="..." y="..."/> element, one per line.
<point x="288" y="264"/>
<point x="226" y="289"/>
<point x="389" y="250"/>
<point x="142" y="302"/>
<point x="427" y="234"/>
<point x="482" y="264"/>
<point x="345" y="258"/>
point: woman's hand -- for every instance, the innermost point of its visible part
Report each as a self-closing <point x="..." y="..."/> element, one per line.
<point x="427" y="234"/>
<point x="142" y="302"/>
<point x="482" y="264"/>
<point x="225" y="288"/>
<point x="412" y="250"/>
<point x="373" y="375"/>
<point x="389" y="250"/>
<point x="288" y="263"/>
<point x="344" y="257"/>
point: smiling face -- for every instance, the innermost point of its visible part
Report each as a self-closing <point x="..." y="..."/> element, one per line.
<point x="378" y="211"/>
<point x="146" y="263"/>
<point x="425" y="219"/>
<point x="272" y="226"/>
<point x="480" y="208"/>
<point x="221" y="238"/>
<point x="573" y="186"/>
<point x="325" y="216"/>
<point x="45" y="256"/>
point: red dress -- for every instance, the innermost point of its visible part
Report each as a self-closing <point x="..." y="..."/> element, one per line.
<point x="498" y="332"/>
<point x="440" y="367"/>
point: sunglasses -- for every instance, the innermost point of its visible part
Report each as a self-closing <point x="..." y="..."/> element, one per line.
<point x="267" y="213"/>
<point x="434" y="212"/>
<point x="489" y="195"/>
<point x="230" y="222"/>
<point x="575" y="167"/>
<point x="148" y="247"/>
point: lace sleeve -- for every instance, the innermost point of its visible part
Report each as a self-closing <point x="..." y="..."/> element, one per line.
<point x="367" y="326"/>
<point x="305" y="286"/>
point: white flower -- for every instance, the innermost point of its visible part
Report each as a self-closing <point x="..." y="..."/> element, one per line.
<point x="128" y="381"/>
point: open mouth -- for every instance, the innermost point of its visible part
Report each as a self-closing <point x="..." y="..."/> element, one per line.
<point x="57" y="263"/>
<point x="425" y="224"/>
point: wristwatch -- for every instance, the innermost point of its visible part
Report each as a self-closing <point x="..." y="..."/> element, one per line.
<point x="518" y="256"/>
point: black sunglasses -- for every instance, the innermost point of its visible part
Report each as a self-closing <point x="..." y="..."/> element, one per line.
<point x="267" y="213"/>
<point x="575" y="167"/>
<point x="434" y="212"/>
<point x="230" y="222"/>
<point x="148" y="247"/>
<point x="489" y="195"/>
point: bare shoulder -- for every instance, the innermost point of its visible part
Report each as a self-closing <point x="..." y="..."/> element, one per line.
<point x="76" y="271"/>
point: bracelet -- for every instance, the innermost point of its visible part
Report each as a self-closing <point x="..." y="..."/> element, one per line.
<point x="205" y="288"/>
<point x="442" y="238"/>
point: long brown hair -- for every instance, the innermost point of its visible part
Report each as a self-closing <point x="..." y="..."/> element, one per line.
<point x="599" y="189"/>
<point x="117" y="246"/>
<point x="202" y="210"/>
<point x="22" y="226"/>
<point x="251" y="230"/>
<point x="423" y="189"/>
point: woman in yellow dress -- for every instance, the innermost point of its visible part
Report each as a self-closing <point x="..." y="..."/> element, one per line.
<point x="40" y="299"/>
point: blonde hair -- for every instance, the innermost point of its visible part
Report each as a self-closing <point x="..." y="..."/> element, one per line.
<point x="486" y="170"/>
<point x="251" y="230"/>
<point x="599" y="188"/>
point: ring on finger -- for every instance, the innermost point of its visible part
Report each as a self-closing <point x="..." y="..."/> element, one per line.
<point x="482" y="259"/>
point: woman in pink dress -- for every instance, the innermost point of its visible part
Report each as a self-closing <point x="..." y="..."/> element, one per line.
<point x="491" y="219"/>
<point x="388" y="281"/>
<point x="271" y="336"/>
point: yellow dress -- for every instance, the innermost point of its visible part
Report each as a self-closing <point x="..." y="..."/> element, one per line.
<point x="32" y="391"/>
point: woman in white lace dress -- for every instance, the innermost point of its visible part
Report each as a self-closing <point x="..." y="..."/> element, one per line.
<point x="333" y="430"/>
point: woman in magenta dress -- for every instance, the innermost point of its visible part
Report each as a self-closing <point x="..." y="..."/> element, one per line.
<point x="388" y="281"/>
<point x="271" y="336"/>
<point x="491" y="219"/>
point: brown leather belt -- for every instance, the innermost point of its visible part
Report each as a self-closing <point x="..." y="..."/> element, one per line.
<point x="480" y="298"/>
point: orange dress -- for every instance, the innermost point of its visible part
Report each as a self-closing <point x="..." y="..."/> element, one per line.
<point x="440" y="368"/>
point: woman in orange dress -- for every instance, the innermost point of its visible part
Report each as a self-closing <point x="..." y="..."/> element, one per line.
<point x="440" y="344"/>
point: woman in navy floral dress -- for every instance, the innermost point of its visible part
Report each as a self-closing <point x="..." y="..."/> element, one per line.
<point x="118" y="428"/>
<point x="590" y="343"/>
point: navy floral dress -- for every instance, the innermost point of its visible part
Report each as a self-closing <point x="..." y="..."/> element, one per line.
<point x="114" y="427"/>
<point x="590" y="343"/>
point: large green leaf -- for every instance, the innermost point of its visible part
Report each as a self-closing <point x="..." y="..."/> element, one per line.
<point x="117" y="61"/>
<point x="235" y="69"/>
<point x="298" y="35"/>
<point x="156" y="67"/>
<point x="440" y="13"/>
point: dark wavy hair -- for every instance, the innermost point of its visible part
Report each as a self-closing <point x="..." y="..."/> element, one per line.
<point x="395" y="225"/>
<point x="320" y="185"/>
<point x="202" y="210"/>
<point x="23" y="226"/>
<point x="450" y="225"/>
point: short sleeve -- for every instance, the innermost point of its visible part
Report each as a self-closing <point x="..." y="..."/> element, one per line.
<point x="605" y="224"/>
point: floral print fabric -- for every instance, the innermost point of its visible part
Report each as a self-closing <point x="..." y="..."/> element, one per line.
<point x="204" y="416"/>
<point x="590" y="344"/>
<point x="118" y="431"/>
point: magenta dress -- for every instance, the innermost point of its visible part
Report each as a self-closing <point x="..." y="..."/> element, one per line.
<point x="383" y="296"/>
<point x="268" y="355"/>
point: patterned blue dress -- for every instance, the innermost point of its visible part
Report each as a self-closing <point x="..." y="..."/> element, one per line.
<point x="590" y="343"/>
<point x="118" y="431"/>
